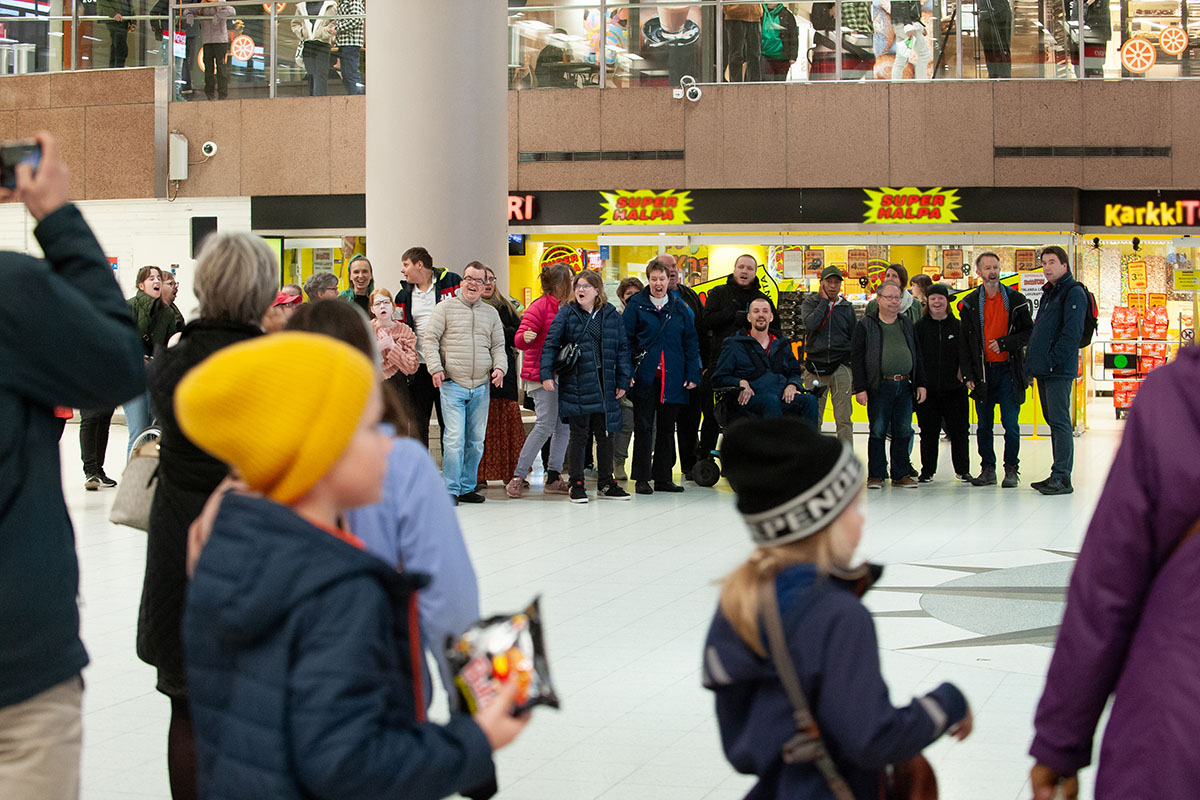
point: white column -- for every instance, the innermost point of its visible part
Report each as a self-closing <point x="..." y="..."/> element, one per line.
<point x="437" y="133"/>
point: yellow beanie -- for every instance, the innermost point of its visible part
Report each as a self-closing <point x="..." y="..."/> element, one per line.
<point x="280" y="409"/>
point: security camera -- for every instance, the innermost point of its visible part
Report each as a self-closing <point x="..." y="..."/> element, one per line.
<point x="686" y="81"/>
<point x="209" y="149"/>
<point x="693" y="93"/>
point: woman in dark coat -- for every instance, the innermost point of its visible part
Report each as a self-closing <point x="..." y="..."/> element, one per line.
<point x="505" y="430"/>
<point x="662" y="338"/>
<point x="236" y="278"/>
<point x="590" y="393"/>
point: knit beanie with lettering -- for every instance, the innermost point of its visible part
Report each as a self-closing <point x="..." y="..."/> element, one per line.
<point x="241" y="405"/>
<point x="790" y="480"/>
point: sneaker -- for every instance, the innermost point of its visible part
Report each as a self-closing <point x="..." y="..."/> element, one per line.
<point x="965" y="477"/>
<point x="924" y="478"/>
<point x="619" y="472"/>
<point x="471" y="497"/>
<point x="667" y="486"/>
<point x="514" y="487"/>
<point x="559" y="486"/>
<point x="986" y="477"/>
<point x="92" y="483"/>
<point x="1012" y="477"/>
<point x="912" y="472"/>
<point x="578" y="493"/>
<point x="907" y="482"/>
<point x="874" y="483"/>
<point x="1039" y="484"/>
<point x="613" y="492"/>
<point x="643" y="487"/>
<point x="1056" y="486"/>
<point x="688" y="476"/>
<point x="106" y="481"/>
<point x="551" y="477"/>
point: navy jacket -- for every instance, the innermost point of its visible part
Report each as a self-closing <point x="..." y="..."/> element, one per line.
<point x="675" y="348"/>
<point x="866" y="354"/>
<point x="831" y="639"/>
<point x="302" y="656"/>
<point x="579" y="392"/>
<point x="68" y="340"/>
<point x="743" y="357"/>
<point x="1053" y="349"/>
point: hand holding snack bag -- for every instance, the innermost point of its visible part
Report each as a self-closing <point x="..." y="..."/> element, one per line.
<point x="506" y="649"/>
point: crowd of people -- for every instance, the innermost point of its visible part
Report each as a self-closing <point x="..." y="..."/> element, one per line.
<point x="297" y="575"/>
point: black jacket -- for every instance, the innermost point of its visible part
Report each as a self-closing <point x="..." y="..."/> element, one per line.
<point x="1020" y="325"/>
<point x="511" y="321"/>
<point x="866" y="354"/>
<point x="186" y="477"/>
<point x="725" y="314"/>
<point x="827" y="333"/>
<point x="69" y="340"/>
<point x="789" y="35"/>
<point x="942" y="353"/>
<point x="444" y="281"/>
<point x="1053" y="350"/>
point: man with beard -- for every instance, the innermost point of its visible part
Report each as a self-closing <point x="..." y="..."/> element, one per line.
<point x="766" y="370"/>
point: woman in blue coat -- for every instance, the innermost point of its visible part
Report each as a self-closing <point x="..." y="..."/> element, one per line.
<point x="662" y="338"/>
<point x="590" y="392"/>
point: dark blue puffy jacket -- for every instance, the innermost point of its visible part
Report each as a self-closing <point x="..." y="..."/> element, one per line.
<point x="742" y="357"/>
<point x="1053" y="349"/>
<point x="668" y="338"/>
<point x="300" y="670"/>
<point x="831" y="640"/>
<point x="582" y="392"/>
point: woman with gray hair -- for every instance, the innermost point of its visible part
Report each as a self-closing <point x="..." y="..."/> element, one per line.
<point x="236" y="279"/>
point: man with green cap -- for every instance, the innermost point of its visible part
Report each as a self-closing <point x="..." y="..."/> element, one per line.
<point x="829" y="322"/>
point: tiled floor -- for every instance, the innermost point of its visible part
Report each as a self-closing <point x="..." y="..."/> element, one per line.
<point x="628" y="590"/>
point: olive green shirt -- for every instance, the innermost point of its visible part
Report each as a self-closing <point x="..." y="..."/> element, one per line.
<point x="897" y="358"/>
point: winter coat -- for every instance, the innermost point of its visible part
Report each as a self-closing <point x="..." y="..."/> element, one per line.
<point x="465" y="341"/>
<point x="68" y="340"/>
<point x="537" y="318"/>
<point x="307" y="27"/>
<point x="743" y="358"/>
<point x="155" y="322"/>
<point x="724" y="315"/>
<point x="1020" y="324"/>
<point x="1130" y="622"/>
<point x="186" y="477"/>
<point x="509" y="321"/>
<point x="445" y="284"/>
<point x="304" y="680"/>
<point x="827" y="333"/>
<point x="942" y="353"/>
<point x="580" y="394"/>
<point x="831" y="640"/>
<point x="1053" y="349"/>
<point x="788" y="32"/>
<point x="668" y="339"/>
<point x="866" y="354"/>
<point x="214" y="21"/>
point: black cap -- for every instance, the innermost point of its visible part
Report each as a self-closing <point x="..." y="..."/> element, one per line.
<point x="938" y="288"/>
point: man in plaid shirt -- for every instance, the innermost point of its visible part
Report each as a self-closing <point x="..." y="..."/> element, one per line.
<point x="351" y="36"/>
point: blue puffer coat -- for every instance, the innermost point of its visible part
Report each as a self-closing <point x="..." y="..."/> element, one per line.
<point x="300" y="669"/>
<point x="582" y="392"/>
<point x="668" y="338"/>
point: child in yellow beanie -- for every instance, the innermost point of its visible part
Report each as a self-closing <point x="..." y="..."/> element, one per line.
<point x="303" y="658"/>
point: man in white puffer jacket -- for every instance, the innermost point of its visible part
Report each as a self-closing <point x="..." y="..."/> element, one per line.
<point x="463" y="344"/>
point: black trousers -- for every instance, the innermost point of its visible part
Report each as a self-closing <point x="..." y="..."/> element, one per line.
<point x="216" y="70"/>
<point x="118" y="44"/>
<point x="687" y="430"/>
<point x="709" y="430"/>
<point x="743" y="45"/>
<point x="582" y="429"/>
<point x="425" y="398"/>
<point x="93" y="438"/>
<point x="654" y="430"/>
<point x="946" y="409"/>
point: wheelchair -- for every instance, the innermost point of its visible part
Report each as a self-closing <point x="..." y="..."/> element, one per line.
<point x="707" y="470"/>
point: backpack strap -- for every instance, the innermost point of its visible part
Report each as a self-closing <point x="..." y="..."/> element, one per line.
<point x="806" y="746"/>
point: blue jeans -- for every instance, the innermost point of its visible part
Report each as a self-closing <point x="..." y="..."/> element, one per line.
<point x="1055" y="394"/>
<point x="767" y="401"/>
<point x="465" y="412"/>
<point x="999" y="392"/>
<point x="890" y="410"/>
<point x="351" y="77"/>
<point x="137" y="418"/>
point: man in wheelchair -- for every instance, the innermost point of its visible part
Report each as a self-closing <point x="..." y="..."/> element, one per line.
<point x="758" y="375"/>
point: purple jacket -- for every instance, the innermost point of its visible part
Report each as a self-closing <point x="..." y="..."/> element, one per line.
<point x="1131" y="621"/>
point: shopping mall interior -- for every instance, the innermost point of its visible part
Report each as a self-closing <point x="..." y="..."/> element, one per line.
<point x="618" y="132"/>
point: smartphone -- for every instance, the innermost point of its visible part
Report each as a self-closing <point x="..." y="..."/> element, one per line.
<point x="14" y="153"/>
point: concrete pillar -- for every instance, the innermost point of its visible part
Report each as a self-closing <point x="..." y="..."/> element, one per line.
<point x="437" y="133"/>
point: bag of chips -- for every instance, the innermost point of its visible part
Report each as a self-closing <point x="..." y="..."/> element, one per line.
<point x="497" y="647"/>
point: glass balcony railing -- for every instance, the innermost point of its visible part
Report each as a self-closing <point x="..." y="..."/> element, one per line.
<point x="276" y="49"/>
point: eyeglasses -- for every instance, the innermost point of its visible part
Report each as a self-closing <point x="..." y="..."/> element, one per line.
<point x="889" y="297"/>
<point x="475" y="281"/>
<point x="489" y="280"/>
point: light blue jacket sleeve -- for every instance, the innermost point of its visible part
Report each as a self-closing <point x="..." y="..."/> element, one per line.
<point x="415" y="528"/>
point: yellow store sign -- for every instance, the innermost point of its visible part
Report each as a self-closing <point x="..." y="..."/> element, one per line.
<point x="911" y="205"/>
<point x="645" y="207"/>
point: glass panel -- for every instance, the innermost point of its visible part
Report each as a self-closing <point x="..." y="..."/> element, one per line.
<point x="109" y="38"/>
<point x="665" y="43"/>
<point x="556" y="45"/>
<point x="238" y="66"/>
<point x="319" y="54"/>
<point x="26" y="41"/>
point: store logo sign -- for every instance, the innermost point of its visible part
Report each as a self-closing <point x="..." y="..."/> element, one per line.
<point x="1153" y="215"/>
<point x="645" y="207"/>
<point x="520" y="207"/>
<point x="561" y="254"/>
<point x="910" y="205"/>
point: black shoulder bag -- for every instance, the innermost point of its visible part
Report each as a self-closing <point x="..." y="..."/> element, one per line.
<point x="640" y="357"/>
<point x="568" y="355"/>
